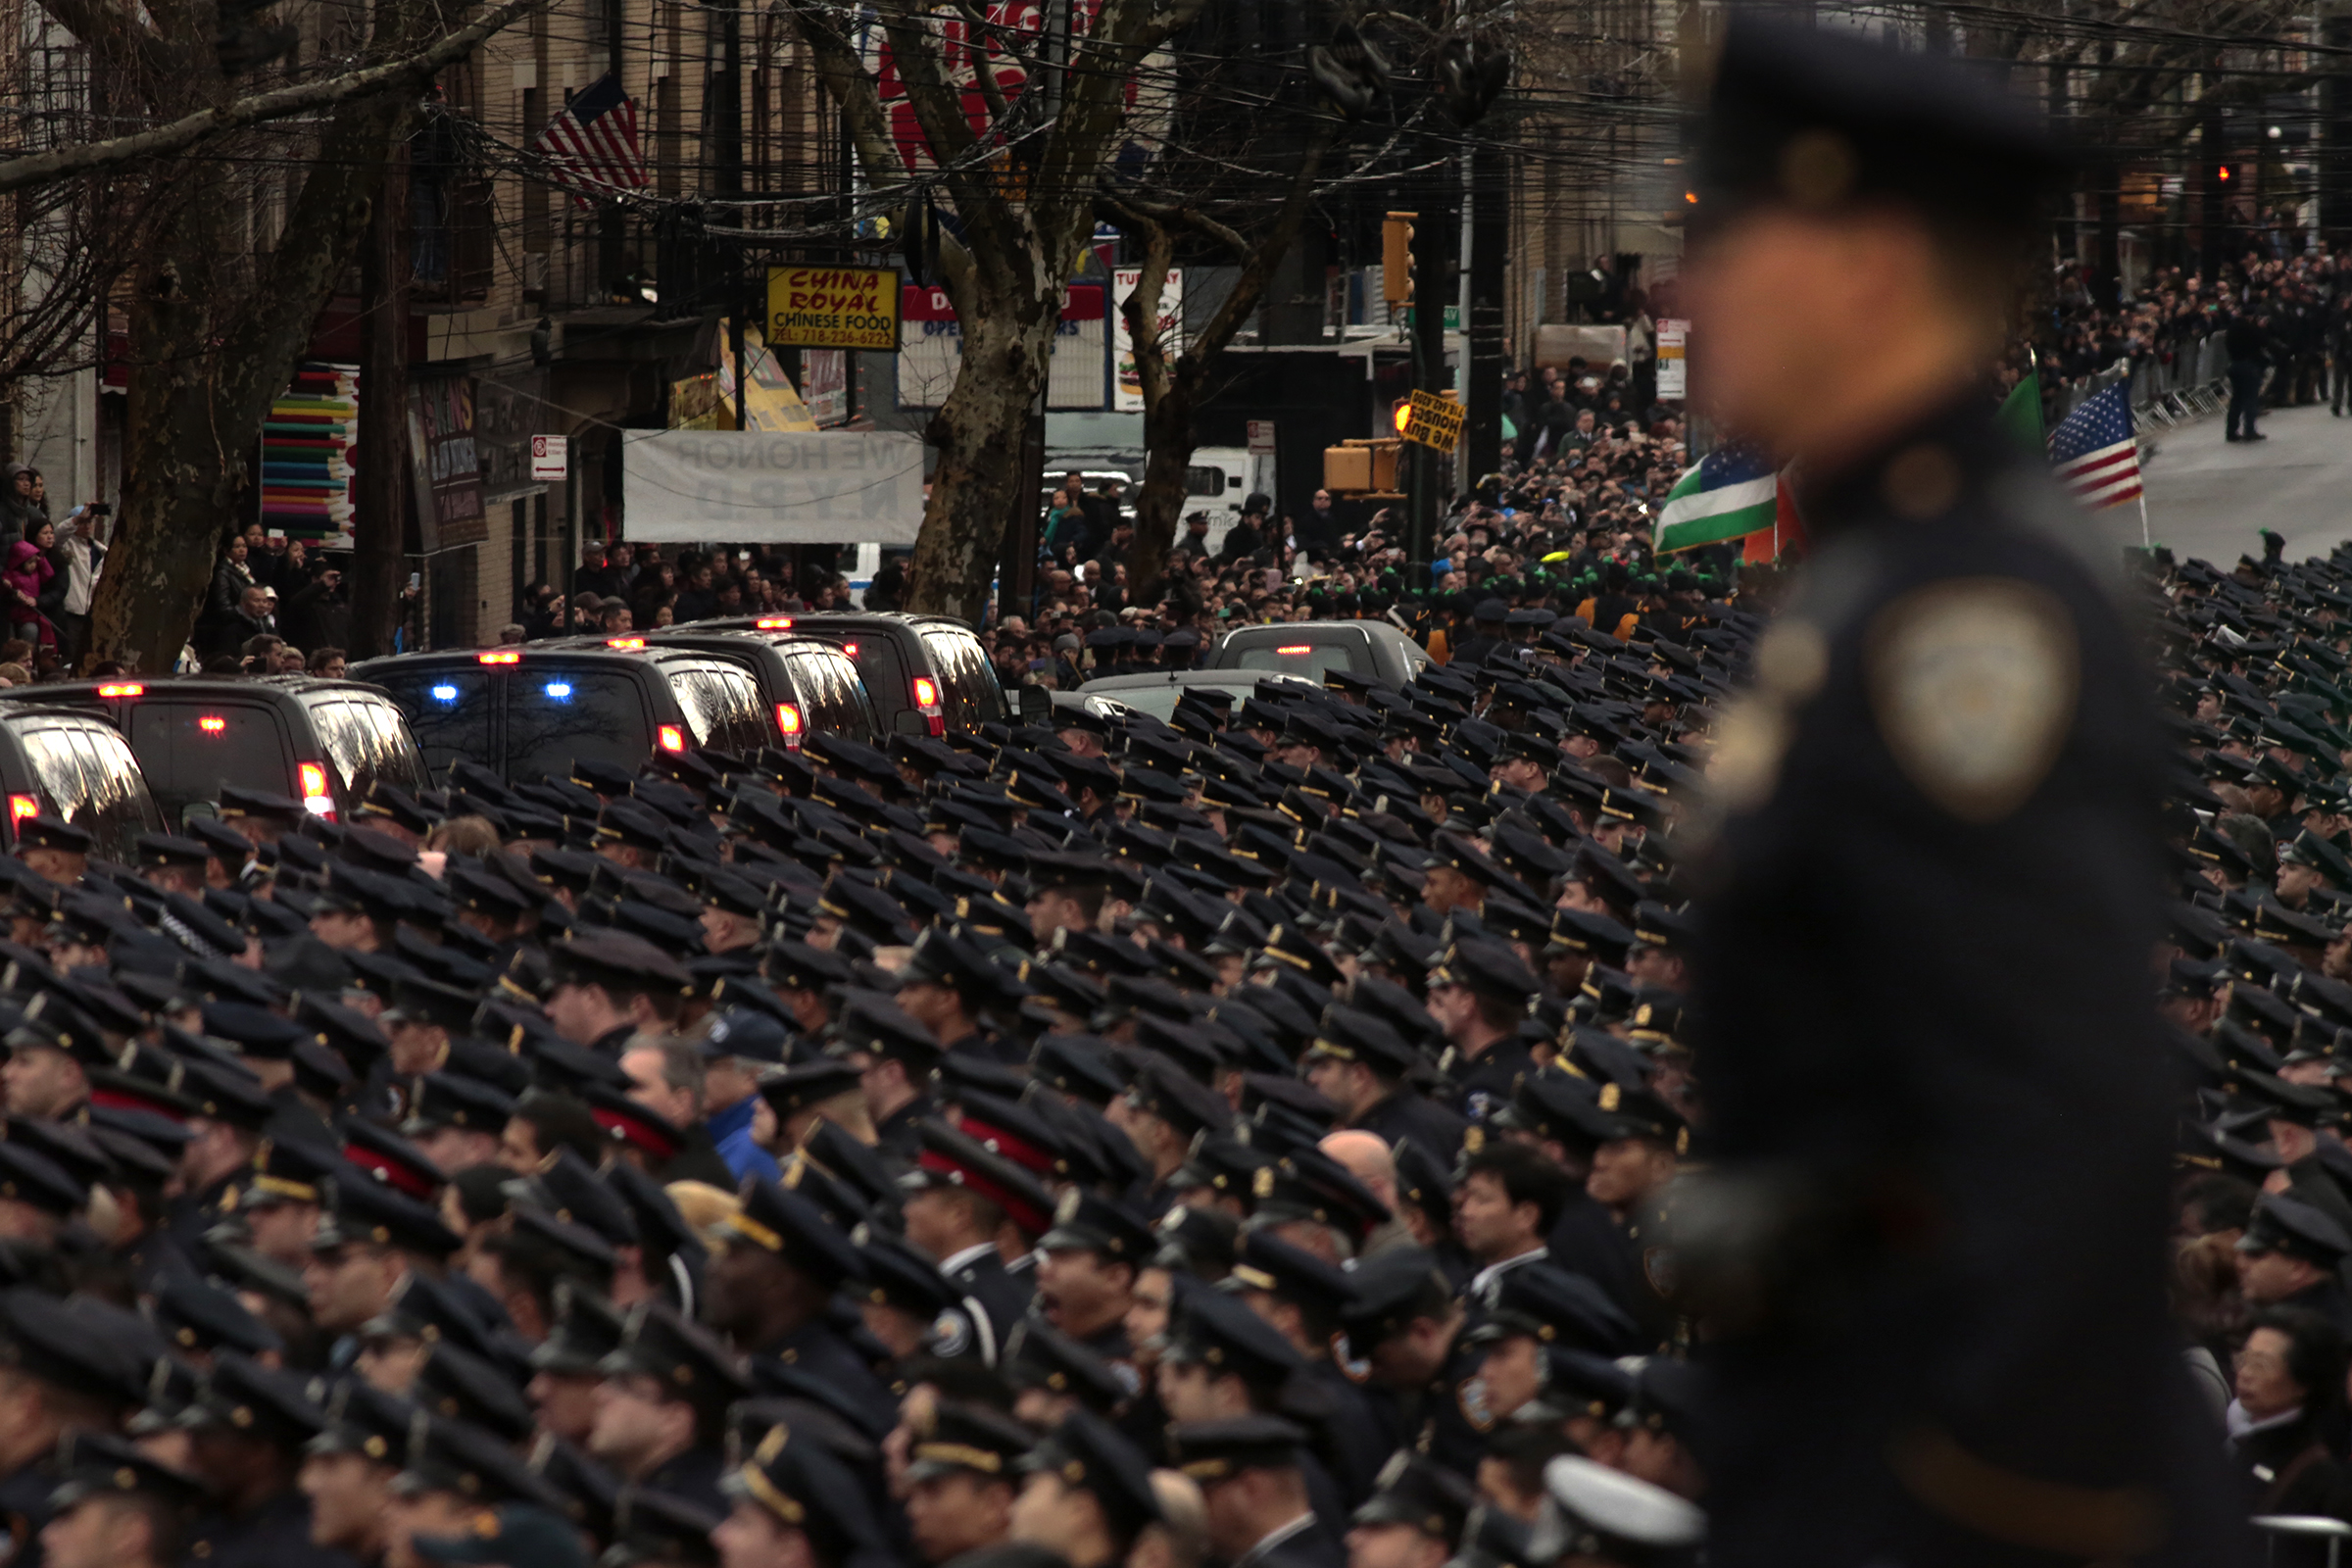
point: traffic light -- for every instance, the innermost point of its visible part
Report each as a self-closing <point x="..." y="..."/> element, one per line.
<point x="1396" y="259"/>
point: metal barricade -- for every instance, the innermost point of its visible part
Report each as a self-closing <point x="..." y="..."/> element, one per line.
<point x="2302" y="1526"/>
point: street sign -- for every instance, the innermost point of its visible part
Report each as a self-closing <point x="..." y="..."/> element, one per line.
<point x="833" y="308"/>
<point x="1261" y="438"/>
<point x="549" y="455"/>
<point x="1674" y="338"/>
<point x="1433" y="420"/>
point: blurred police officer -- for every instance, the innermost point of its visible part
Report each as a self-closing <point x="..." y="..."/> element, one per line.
<point x="1947" y="753"/>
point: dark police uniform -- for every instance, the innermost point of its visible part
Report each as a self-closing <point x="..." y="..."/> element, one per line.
<point x="1947" y="757"/>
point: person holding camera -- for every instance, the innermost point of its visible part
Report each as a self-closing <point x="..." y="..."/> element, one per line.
<point x="81" y="555"/>
<point x="317" y="615"/>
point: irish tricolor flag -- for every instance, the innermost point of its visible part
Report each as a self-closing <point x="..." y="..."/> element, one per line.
<point x="1729" y="494"/>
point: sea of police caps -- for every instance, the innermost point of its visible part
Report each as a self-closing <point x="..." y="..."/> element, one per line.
<point x="1205" y="845"/>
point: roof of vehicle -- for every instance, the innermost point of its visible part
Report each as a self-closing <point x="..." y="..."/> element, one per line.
<point x="696" y="634"/>
<point x="1215" y="678"/>
<point x="1306" y="631"/>
<point x="192" y="686"/>
<point x="791" y="620"/>
<point x="569" y="647"/>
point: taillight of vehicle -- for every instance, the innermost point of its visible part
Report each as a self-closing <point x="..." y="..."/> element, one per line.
<point x="1296" y="650"/>
<point x="926" y="702"/>
<point x="788" y="724"/>
<point x="126" y="687"/>
<point x="775" y="623"/>
<point x="20" y="806"/>
<point x="625" y="643"/>
<point x="317" y="798"/>
<point x="499" y="657"/>
<point x="670" y="738"/>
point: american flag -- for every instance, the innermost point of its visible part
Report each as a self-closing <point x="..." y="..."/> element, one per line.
<point x="2093" y="453"/>
<point x="591" y="147"/>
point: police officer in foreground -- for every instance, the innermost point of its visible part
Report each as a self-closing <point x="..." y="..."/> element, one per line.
<point x="1953" y="1349"/>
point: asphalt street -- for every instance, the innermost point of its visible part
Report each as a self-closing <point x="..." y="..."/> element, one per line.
<point x="2207" y="496"/>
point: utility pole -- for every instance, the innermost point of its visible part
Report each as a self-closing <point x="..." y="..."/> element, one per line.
<point x="1489" y="203"/>
<point x="727" y="105"/>
<point x="1432" y="251"/>
<point x="379" y="521"/>
<point x="610" y="216"/>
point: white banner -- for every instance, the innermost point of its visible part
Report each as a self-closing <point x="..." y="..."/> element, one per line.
<point x="1127" y="393"/>
<point x="796" y="487"/>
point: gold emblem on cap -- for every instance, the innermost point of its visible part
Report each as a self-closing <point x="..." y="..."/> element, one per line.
<point x="1609" y="1097"/>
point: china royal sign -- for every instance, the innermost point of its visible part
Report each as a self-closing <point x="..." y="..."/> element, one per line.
<point x="833" y="308"/>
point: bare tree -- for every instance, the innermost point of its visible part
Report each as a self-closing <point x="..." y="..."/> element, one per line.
<point x="1022" y="189"/>
<point x="220" y="308"/>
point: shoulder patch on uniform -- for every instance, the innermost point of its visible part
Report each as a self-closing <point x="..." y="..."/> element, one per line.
<point x="1973" y="682"/>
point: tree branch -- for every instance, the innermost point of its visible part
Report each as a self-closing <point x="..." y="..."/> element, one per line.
<point x="191" y="130"/>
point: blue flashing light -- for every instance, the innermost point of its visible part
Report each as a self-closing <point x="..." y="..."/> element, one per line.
<point x="559" y="689"/>
<point x="445" y="694"/>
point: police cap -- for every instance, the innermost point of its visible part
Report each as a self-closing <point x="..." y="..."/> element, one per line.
<point x="1554" y="1306"/>
<point x="446" y="1456"/>
<point x="362" y="1419"/>
<point x="1087" y="1453"/>
<point x="383" y="1156"/>
<point x="804" y="1088"/>
<point x="34" y="1179"/>
<point x="795" y="1478"/>
<point x="1411" y="1491"/>
<point x="1487" y="969"/>
<point x="266" y="1402"/>
<point x="449" y="1099"/>
<point x="2300" y="1230"/>
<point x="46" y="832"/>
<point x="98" y="1464"/>
<point x="459" y="1384"/>
<point x="685" y="1358"/>
<point x="1608" y="1516"/>
<point x="587" y="1327"/>
<point x="1214" y="1452"/>
<point x="1037" y="1356"/>
<point x="1210" y="1328"/>
<point x="971" y="1438"/>
<point x="1087" y="1222"/>
<point x="373" y="1213"/>
<point x="953" y="1160"/>
<point x="1821" y="121"/>
<point x="195" y="1315"/>
<point x="796" y="1230"/>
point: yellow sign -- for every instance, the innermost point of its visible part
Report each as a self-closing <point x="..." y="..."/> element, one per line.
<point x="694" y="405"/>
<point x="1432" y="420"/>
<point x="833" y="308"/>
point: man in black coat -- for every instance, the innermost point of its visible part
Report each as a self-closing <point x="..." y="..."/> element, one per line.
<point x="1949" y="1288"/>
<point x="2248" y="340"/>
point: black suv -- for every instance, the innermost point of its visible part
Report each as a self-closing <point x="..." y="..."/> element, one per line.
<point x="532" y="712"/>
<point x="806" y="684"/>
<point x="927" y="674"/>
<point x="323" y="742"/>
<point x="74" y="765"/>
